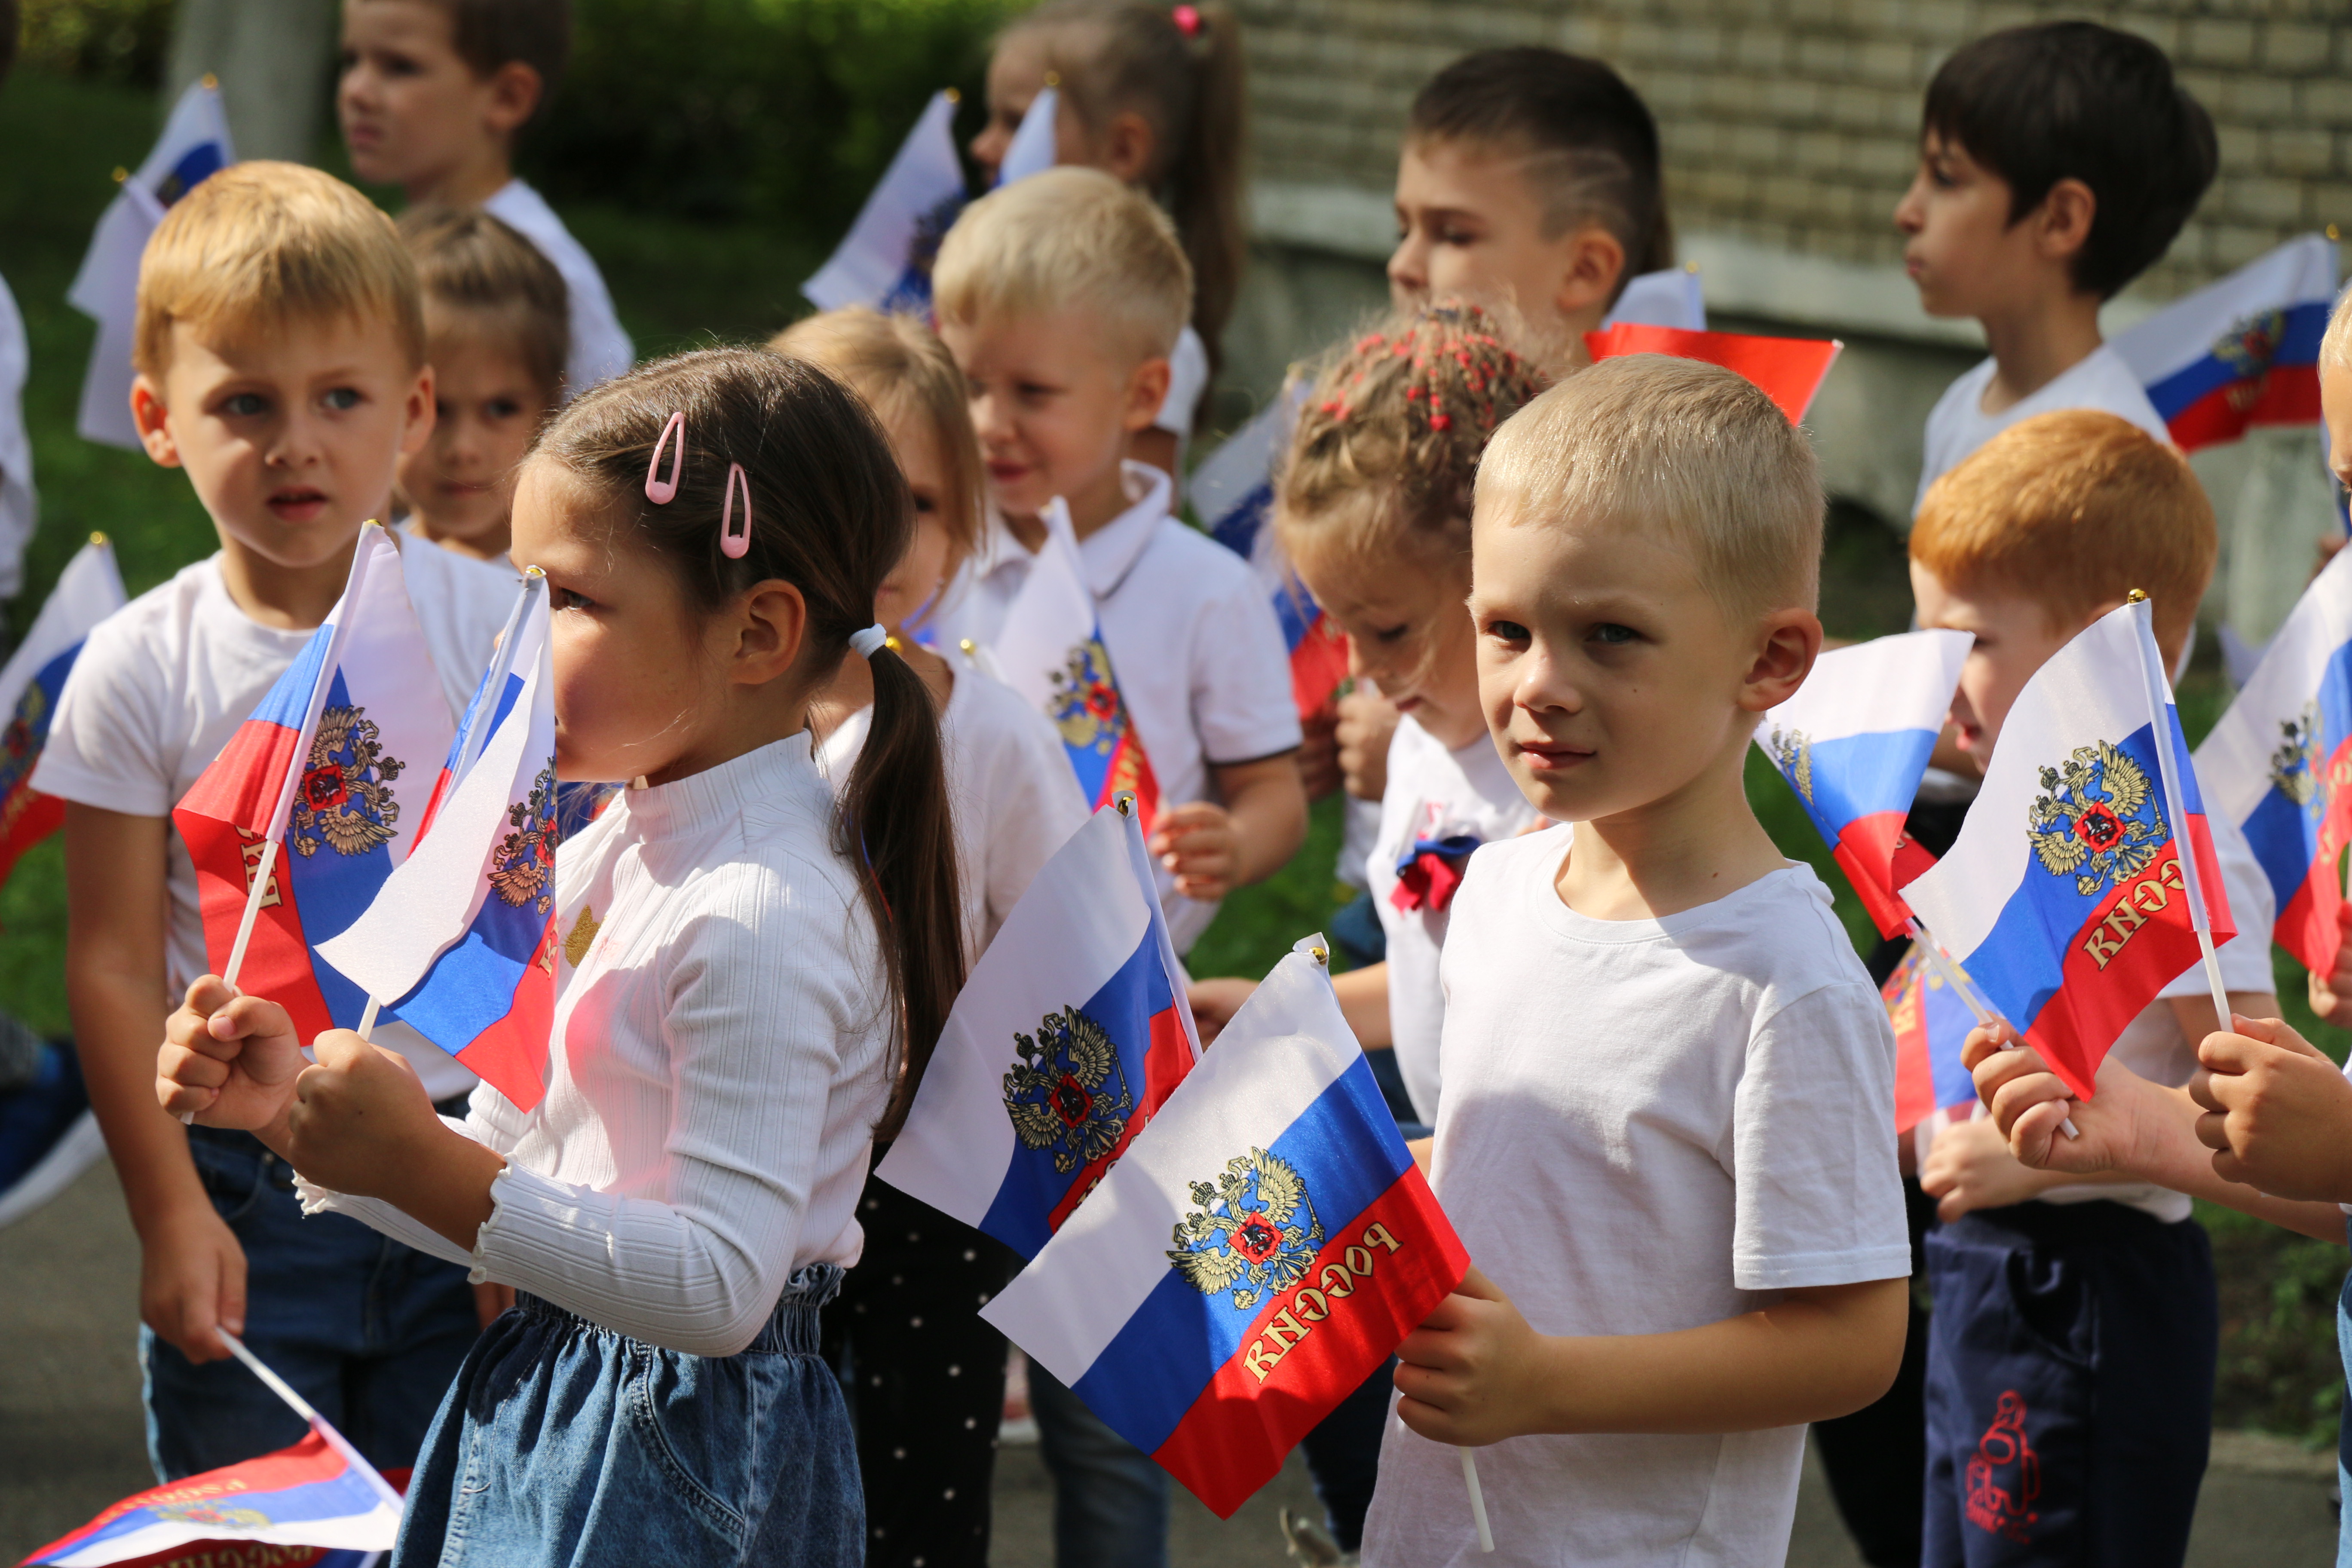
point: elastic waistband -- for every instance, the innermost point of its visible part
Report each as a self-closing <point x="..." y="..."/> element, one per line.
<point x="791" y="1329"/>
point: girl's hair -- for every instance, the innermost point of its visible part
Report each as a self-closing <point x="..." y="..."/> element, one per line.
<point x="1591" y="141"/>
<point x="471" y="260"/>
<point x="903" y="371"/>
<point x="829" y="515"/>
<point x="1185" y="77"/>
<point x="1386" y="451"/>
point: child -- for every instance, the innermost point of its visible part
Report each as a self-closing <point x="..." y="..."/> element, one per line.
<point x="769" y="973"/>
<point x="1059" y="297"/>
<point x="2056" y="163"/>
<point x="929" y="1374"/>
<point x="2079" y="1317"/>
<point x="1154" y="96"/>
<point x="1663" y="1133"/>
<point x="496" y="330"/>
<point x="431" y="96"/>
<point x="280" y="358"/>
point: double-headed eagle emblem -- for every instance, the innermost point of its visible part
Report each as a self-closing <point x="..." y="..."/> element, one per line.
<point x="1793" y="753"/>
<point x="1254" y="1234"/>
<point x="523" y="870"/>
<point x="1085" y="706"/>
<point x="2248" y="347"/>
<point x="2296" y="772"/>
<point x="1066" y="1091"/>
<point x="2098" y="819"/>
<point x="345" y="800"/>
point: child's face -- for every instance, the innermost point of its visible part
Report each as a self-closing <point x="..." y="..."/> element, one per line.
<point x="1469" y="223"/>
<point x="1962" y="249"/>
<point x="290" y="432"/>
<point x="412" y="110"/>
<point x="1408" y="633"/>
<point x="460" y="483"/>
<point x="2015" y="636"/>
<point x="915" y="580"/>
<point x="1016" y="75"/>
<point x="1053" y="404"/>
<point x="1612" y="680"/>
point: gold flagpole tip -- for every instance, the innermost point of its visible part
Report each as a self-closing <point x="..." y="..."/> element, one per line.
<point x="100" y="540"/>
<point x="1319" y="955"/>
<point x="968" y="649"/>
<point x="121" y="173"/>
<point x="372" y="522"/>
<point x="1125" y="803"/>
<point x="953" y="95"/>
<point x="536" y="572"/>
<point x="2332" y="234"/>
<point x="212" y="82"/>
<point x="893" y="645"/>
<point x="1053" y="79"/>
<point x="2137" y="596"/>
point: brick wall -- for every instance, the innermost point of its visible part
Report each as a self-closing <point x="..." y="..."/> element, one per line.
<point x="1793" y="123"/>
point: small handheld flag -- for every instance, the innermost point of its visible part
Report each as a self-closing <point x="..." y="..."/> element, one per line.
<point x="1853" y="743"/>
<point x="194" y="145"/>
<point x="1671" y="297"/>
<point x="2242" y="352"/>
<point x="1052" y="652"/>
<point x="1036" y="145"/>
<point x="1068" y="1038"/>
<point x="89" y="590"/>
<point x="461" y="940"/>
<point x="2069" y="898"/>
<point x="2277" y="763"/>
<point x="1932" y="1018"/>
<point x="1790" y="370"/>
<point x="316" y="800"/>
<point x="885" y="261"/>
<point x="1263" y="1248"/>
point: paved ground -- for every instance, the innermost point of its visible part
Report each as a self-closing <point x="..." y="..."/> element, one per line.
<point x="70" y="1439"/>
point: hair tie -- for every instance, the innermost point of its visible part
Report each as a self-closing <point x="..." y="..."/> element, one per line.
<point x="661" y="492"/>
<point x="869" y="642"/>
<point x="1187" y="20"/>
<point x="731" y="544"/>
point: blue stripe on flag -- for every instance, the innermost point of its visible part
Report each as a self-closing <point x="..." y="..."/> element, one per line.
<point x="2284" y="836"/>
<point x="2298" y="345"/>
<point x="1855" y="776"/>
<point x="288" y="701"/>
<point x="1237" y="529"/>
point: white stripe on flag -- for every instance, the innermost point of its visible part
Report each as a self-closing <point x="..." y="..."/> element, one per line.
<point x="1901" y="682"/>
<point x="2233" y="765"/>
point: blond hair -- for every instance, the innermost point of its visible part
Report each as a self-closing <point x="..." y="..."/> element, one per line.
<point x="260" y="245"/>
<point x="903" y="371"/>
<point x="468" y="260"/>
<point x="1068" y="239"/>
<point x="1689" y="450"/>
<point x="2073" y="510"/>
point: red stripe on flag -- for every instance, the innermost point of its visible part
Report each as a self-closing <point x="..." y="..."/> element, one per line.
<point x="1915" y="1076"/>
<point x="1318" y="664"/>
<point x="1868" y="852"/>
<point x="26" y="817"/>
<point x="1131" y="774"/>
<point x="278" y="959"/>
<point x="2288" y="394"/>
<point x="511" y="1055"/>
<point x="1315" y="1343"/>
<point x="2306" y="926"/>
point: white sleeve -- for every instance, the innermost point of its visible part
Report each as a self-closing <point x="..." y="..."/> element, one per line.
<point x="1188" y="377"/>
<point x="1242" y="706"/>
<point x="105" y="745"/>
<point x="1817" y="1199"/>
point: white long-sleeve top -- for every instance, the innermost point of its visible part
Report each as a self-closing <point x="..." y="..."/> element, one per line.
<point x="722" y="1031"/>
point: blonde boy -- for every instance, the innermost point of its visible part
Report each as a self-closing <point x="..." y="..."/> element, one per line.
<point x="281" y="362"/>
<point x="1061" y="297"/>
<point x="1663" y="1134"/>
<point x="2108" y="1378"/>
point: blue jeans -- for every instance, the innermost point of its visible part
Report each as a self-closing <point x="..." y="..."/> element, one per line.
<point x="565" y="1443"/>
<point x="1111" y="1499"/>
<point x="368" y="1330"/>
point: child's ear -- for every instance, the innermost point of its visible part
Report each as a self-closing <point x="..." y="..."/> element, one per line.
<point x="1127" y="148"/>
<point x="2063" y="220"/>
<point x="418" y="411"/>
<point x="771" y="636"/>
<point x="515" y="90"/>
<point x="1594" y="262"/>
<point x="148" y="412"/>
<point x="1147" y="389"/>
<point x="1787" y="643"/>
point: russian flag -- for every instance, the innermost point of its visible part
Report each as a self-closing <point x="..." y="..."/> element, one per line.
<point x="1853" y="742"/>
<point x="2066" y="898"/>
<point x="1671" y="297"/>
<point x="330" y="770"/>
<point x="1069" y="1036"/>
<point x="1036" y="146"/>
<point x="1052" y="652"/>
<point x="2277" y="763"/>
<point x="461" y="940"/>
<point x="1931" y="1025"/>
<point x="194" y="144"/>
<point x="89" y="590"/>
<point x="884" y="260"/>
<point x="2244" y="351"/>
<point x="314" y="1494"/>
<point x="1788" y="369"/>
<point x="1265" y="1246"/>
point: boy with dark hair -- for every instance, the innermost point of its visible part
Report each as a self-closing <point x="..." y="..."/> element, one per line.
<point x="432" y="95"/>
<point x="2056" y="164"/>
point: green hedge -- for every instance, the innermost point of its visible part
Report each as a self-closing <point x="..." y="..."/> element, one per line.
<point x="120" y="41"/>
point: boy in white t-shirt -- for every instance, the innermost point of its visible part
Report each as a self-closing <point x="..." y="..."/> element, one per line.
<point x="1664" y="1132"/>
<point x="2056" y="163"/>
<point x="1060" y="295"/>
<point x="432" y="97"/>
<point x="280" y="352"/>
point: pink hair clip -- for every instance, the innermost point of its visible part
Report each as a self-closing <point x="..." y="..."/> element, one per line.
<point x="1188" y="20"/>
<point x="661" y="492"/>
<point x="731" y="544"/>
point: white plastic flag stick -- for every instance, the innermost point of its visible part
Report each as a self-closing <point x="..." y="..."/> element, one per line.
<point x="1477" y="1499"/>
<point x="1983" y="1013"/>
<point x="318" y="1424"/>
<point x="367" y="1018"/>
<point x="2192" y="882"/>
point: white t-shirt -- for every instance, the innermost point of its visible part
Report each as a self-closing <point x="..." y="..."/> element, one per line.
<point x="1959" y="424"/>
<point x="1188" y="377"/>
<point x="1648" y="1125"/>
<point x="1009" y="784"/>
<point x="17" y="511"/>
<point x="162" y="684"/>
<point x="1432" y="794"/>
<point x="1193" y="640"/>
<point x="600" y="348"/>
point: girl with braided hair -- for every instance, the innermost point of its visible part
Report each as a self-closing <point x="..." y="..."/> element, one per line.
<point x="1372" y="512"/>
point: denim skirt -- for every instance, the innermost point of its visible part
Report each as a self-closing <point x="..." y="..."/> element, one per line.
<point x="566" y="1444"/>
